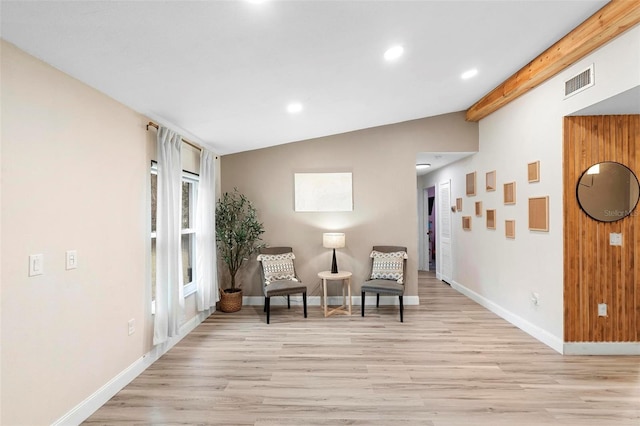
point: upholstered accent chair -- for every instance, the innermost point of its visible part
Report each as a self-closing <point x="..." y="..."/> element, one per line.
<point x="279" y="278"/>
<point x="388" y="272"/>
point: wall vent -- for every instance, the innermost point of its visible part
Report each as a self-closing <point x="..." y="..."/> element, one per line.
<point x="579" y="82"/>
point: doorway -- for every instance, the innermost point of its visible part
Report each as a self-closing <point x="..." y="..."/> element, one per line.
<point x="429" y="218"/>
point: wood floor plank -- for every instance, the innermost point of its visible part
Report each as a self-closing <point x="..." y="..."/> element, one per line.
<point x="450" y="363"/>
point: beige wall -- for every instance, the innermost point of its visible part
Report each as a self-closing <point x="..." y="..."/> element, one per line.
<point x="382" y="161"/>
<point x="75" y="176"/>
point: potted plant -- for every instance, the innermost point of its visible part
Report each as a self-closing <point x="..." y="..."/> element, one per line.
<point x="238" y="234"/>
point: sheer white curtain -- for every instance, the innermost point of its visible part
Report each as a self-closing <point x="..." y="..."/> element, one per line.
<point x="169" y="281"/>
<point x="206" y="267"/>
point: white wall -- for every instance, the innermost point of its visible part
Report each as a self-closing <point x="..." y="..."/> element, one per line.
<point x="501" y="273"/>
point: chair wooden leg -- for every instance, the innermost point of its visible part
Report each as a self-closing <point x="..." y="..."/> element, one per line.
<point x="362" y="303"/>
<point x="288" y="301"/>
<point x="264" y="309"/>
<point x="304" y="303"/>
<point x="401" y="309"/>
<point x="377" y="300"/>
<point x="268" y="306"/>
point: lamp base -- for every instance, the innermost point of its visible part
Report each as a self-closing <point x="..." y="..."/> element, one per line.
<point x="334" y="263"/>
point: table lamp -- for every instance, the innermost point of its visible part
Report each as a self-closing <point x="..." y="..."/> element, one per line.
<point x="333" y="240"/>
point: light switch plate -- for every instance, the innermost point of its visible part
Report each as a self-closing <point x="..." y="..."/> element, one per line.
<point x="71" y="259"/>
<point x="36" y="265"/>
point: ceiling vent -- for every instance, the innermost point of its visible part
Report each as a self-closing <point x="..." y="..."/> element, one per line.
<point x="579" y="82"/>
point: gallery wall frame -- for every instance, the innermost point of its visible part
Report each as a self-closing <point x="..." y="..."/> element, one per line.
<point x="539" y="213"/>
<point x="510" y="229"/>
<point x="491" y="219"/>
<point x="466" y="223"/>
<point x="323" y="192"/>
<point x="533" y="172"/>
<point x="471" y="184"/>
<point x="459" y="204"/>
<point x="490" y="181"/>
<point x="479" y="208"/>
<point x="510" y="193"/>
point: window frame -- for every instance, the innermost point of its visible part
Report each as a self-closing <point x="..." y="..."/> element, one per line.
<point x="193" y="179"/>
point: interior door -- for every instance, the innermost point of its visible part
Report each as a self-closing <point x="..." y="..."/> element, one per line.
<point x="444" y="257"/>
<point x="426" y="240"/>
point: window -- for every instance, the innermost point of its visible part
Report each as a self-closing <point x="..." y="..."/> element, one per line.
<point x="189" y="194"/>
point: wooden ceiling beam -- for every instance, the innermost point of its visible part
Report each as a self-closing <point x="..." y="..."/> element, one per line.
<point x="612" y="20"/>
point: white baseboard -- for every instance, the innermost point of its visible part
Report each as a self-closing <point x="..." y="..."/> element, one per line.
<point x="280" y="300"/>
<point x="544" y="336"/>
<point x="91" y="404"/>
<point x="602" y="348"/>
<point x="333" y="300"/>
<point x="571" y="348"/>
<point x="386" y="300"/>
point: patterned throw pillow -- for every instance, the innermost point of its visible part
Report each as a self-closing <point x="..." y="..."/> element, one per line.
<point x="277" y="267"/>
<point x="388" y="266"/>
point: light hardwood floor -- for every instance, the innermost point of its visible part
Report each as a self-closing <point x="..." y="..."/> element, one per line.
<point x="451" y="362"/>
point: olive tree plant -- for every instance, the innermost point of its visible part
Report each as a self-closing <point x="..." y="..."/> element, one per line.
<point x="238" y="232"/>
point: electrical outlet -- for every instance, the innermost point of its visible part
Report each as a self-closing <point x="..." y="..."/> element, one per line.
<point x="132" y="326"/>
<point x="602" y="309"/>
<point x="615" y="239"/>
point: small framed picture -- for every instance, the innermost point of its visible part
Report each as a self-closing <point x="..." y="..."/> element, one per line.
<point x="539" y="214"/>
<point x="490" y="181"/>
<point x="491" y="219"/>
<point x="510" y="193"/>
<point x="510" y="229"/>
<point x="471" y="184"/>
<point x="533" y="171"/>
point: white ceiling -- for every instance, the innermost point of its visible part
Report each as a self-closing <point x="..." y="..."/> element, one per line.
<point x="222" y="72"/>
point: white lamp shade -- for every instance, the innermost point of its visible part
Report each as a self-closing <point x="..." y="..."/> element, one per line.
<point x="333" y="240"/>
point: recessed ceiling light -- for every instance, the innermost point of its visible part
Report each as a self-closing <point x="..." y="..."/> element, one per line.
<point x="294" y="107"/>
<point x="393" y="53"/>
<point x="422" y="166"/>
<point x="468" y="74"/>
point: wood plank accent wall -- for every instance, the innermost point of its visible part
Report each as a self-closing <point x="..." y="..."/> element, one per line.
<point x="594" y="271"/>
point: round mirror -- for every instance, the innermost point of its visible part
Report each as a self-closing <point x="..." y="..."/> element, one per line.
<point x="608" y="191"/>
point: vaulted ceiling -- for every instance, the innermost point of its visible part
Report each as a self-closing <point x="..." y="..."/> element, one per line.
<point x="224" y="72"/>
